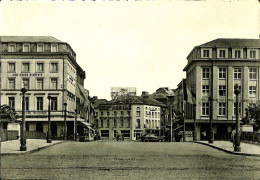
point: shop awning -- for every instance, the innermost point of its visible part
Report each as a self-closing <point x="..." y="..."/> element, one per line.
<point x="86" y="124"/>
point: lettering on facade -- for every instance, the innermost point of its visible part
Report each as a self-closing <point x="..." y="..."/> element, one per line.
<point x="27" y="74"/>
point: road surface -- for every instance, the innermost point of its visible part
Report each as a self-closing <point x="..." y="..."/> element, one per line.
<point x="130" y="160"/>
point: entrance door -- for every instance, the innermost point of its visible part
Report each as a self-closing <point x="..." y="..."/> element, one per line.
<point x="53" y="130"/>
<point x="39" y="127"/>
<point x="204" y="132"/>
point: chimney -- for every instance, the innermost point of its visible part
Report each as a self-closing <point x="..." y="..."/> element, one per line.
<point x="145" y="94"/>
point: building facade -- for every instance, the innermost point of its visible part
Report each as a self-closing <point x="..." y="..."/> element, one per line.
<point x="213" y="70"/>
<point x="131" y="116"/>
<point x="44" y="66"/>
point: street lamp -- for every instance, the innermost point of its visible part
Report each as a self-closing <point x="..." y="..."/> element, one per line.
<point x="23" y="138"/>
<point x="65" y="122"/>
<point x="211" y="105"/>
<point x="237" y="136"/>
<point x="49" y="121"/>
<point x="75" y="126"/>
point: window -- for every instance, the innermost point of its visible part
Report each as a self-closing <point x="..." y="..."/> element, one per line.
<point x="107" y="114"/>
<point x="54" y="82"/>
<point x="40" y="48"/>
<point x="252" y="91"/>
<point x="122" y="122"/>
<point x="115" y="113"/>
<point x="26" y="48"/>
<point x="97" y="114"/>
<point x="54" y="104"/>
<point x="235" y="108"/>
<point x="27" y="103"/>
<point x="25" y="67"/>
<point x="205" y="89"/>
<point x="155" y="114"/>
<point x="102" y="123"/>
<point x="128" y="113"/>
<point x="39" y="103"/>
<point x="205" y="73"/>
<point x="222" y="73"/>
<point x="54" y="48"/>
<point x="237" y="73"/>
<point x="252" y="73"/>
<point x="252" y="54"/>
<point x="11" y="48"/>
<point x="222" y="53"/>
<point x="101" y="114"/>
<point x="54" y="67"/>
<point x="39" y="84"/>
<point x="138" y="123"/>
<point x="206" y="53"/>
<point x="26" y="83"/>
<point x="222" y="90"/>
<point x="108" y="123"/>
<point x="11" y="83"/>
<point x="237" y="54"/>
<point x="222" y="109"/>
<point x="205" y="109"/>
<point x="138" y="113"/>
<point x="128" y="123"/>
<point x="11" y="67"/>
<point x="11" y="101"/>
<point x="115" y="123"/>
<point x="39" y="67"/>
<point x="122" y="113"/>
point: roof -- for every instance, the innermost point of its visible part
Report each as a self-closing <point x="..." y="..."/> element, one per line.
<point x="226" y="42"/>
<point x="29" y="39"/>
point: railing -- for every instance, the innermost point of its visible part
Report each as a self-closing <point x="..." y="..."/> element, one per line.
<point x="222" y="118"/>
<point x="250" y="136"/>
<point x="8" y="135"/>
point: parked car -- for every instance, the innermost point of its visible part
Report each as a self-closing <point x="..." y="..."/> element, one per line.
<point x="151" y="138"/>
<point x="120" y="137"/>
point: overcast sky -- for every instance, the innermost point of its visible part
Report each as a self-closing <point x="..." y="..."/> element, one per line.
<point x="132" y="44"/>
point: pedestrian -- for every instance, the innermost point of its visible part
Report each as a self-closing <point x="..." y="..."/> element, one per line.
<point x="233" y="134"/>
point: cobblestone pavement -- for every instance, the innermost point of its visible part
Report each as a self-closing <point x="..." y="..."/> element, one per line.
<point x="130" y="160"/>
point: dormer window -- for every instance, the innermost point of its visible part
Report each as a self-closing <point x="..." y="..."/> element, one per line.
<point x="40" y="48"/>
<point x="11" y="48"/>
<point x="26" y="48"/>
<point x="252" y="54"/>
<point x="54" y="48"/>
<point x="206" y="53"/>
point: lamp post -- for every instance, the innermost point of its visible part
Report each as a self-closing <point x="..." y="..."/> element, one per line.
<point x="75" y="126"/>
<point x="194" y="116"/>
<point x="211" y="105"/>
<point x="65" y="121"/>
<point x="23" y="138"/>
<point x="237" y="136"/>
<point x="49" y="120"/>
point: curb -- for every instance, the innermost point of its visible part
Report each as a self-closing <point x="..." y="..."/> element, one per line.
<point x="31" y="151"/>
<point x="227" y="151"/>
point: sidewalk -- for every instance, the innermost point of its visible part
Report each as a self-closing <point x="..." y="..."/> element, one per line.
<point x="247" y="149"/>
<point x="33" y="145"/>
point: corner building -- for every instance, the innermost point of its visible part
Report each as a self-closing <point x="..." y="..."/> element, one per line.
<point x="219" y="65"/>
<point x="44" y="66"/>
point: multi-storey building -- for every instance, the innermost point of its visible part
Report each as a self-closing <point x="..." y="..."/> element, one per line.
<point x="130" y="116"/>
<point x="213" y="69"/>
<point x="44" y="66"/>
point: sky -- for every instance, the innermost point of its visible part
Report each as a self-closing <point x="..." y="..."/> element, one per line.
<point x="142" y="44"/>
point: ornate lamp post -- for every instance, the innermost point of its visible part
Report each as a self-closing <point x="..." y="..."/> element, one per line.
<point x="23" y="138"/>
<point x="65" y="121"/>
<point x="237" y="136"/>
<point x="49" y="120"/>
<point x="75" y="126"/>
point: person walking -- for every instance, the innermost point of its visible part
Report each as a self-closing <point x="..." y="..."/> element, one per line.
<point x="233" y="135"/>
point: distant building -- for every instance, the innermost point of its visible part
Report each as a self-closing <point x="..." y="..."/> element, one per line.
<point x="130" y="116"/>
<point x="44" y="66"/>
<point x="228" y="62"/>
<point x="122" y="91"/>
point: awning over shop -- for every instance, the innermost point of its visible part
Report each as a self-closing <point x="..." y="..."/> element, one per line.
<point x="82" y="93"/>
<point x="88" y="125"/>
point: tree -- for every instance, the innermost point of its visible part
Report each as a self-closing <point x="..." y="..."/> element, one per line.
<point x="254" y="115"/>
<point x="7" y="112"/>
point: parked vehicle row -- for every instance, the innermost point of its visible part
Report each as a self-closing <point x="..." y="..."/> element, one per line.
<point x="152" y="138"/>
